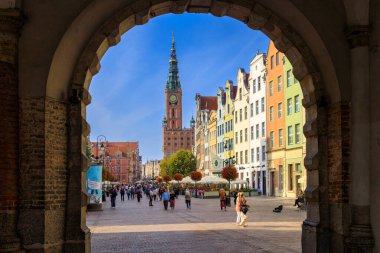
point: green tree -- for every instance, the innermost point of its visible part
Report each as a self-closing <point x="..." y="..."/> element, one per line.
<point x="182" y="162"/>
<point x="164" y="167"/>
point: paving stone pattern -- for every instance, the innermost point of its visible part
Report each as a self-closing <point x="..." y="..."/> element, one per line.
<point x="136" y="227"/>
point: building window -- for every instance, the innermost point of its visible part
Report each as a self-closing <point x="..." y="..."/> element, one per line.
<point x="290" y="135"/>
<point x="251" y="110"/>
<point x="290" y="179"/>
<point x="277" y="58"/>
<point x="288" y="78"/>
<point x="281" y="178"/>
<point x="257" y="106"/>
<point x="298" y="167"/>
<point x="254" y="86"/>
<point x="263" y="153"/>
<point x="236" y="116"/>
<point x="220" y="113"/>
<point x="246" y="156"/>
<point x="279" y="110"/>
<point x="262" y="129"/>
<point x="280" y="136"/>
<point x="241" y="136"/>
<point x="272" y="62"/>
<point x="257" y="131"/>
<point x="252" y="155"/>
<point x="297" y="103"/>
<point x="228" y="108"/>
<point x="257" y="154"/>
<point x="271" y="113"/>
<point x="240" y="94"/>
<point x="245" y="112"/>
<point x="241" y="157"/>
<point x="298" y="134"/>
<point x="236" y="138"/>
<point x="259" y="83"/>
<point x="237" y="157"/>
<point x="246" y="134"/>
<point x="271" y="88"/>
<point x="271" y="138"/>
<point x="262" y="105"/>
<point x="241" y="114"/>
<point x="279" y="83"/>
<point x="289" y="106"/>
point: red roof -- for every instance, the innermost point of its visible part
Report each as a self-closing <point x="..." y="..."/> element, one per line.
<point x="210" y="103"/>
<point x="125" y="147"/>
<point x="235" y="92"/>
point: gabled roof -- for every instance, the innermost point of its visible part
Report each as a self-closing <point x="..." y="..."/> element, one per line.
<point x="210" y="103"/>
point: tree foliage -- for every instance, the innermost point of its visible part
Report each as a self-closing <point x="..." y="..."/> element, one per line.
<point x="178" y="176"/>
<point x="229" y="173"/>
<point x="167" y="178"/>
<point x="107" y="176"/>
<point x="182" y="162"/>
<point x="164" y="167"/>
<point x="196" y="175"/>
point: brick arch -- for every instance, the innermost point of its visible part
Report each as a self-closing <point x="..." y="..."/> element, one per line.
<point x="256" y="16"/>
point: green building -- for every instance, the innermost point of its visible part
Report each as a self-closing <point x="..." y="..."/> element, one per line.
<point x="295" y="173"/>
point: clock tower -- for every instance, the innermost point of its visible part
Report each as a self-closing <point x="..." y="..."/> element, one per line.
<point x="175" y="137"/>
<point x="173" y="93"/>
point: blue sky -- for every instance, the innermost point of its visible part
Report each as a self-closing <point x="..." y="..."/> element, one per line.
<point x="128" y="102"/>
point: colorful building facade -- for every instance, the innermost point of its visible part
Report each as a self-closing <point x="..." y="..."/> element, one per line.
<point x="257" y="116"/>
<point x="295" y="174"/>
<point x="275" y="121"/>
<point x="121" y="159"/>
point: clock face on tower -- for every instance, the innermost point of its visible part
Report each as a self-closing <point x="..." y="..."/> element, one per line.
<point x="173" y="98"/>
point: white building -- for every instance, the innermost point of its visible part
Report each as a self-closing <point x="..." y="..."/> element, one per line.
<point x="257" y="126"/>
<point x="242" y="124"/>
<point x="220" y="127"/>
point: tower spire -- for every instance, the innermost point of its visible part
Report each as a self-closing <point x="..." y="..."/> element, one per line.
<point x="173" y="82"/>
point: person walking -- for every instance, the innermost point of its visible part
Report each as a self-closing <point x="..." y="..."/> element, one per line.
<point x="128" y="190"/>
<point x="223" y="198"/>
<point x="133" y="191"/>
<point x="172" y="199"/>
<point x="138" y="193"/>
<point x="243" y="210"/>
<point x="122" y="192"/>
<point x="165" y="198"/>
<point x="238" y="205"/>
<point x="188" y="199"/>
<point x="113" y="197"/>
<point x="150" y="197"/>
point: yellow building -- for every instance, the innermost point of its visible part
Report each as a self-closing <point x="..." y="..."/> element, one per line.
<point x="212" y="140"/>
<point x="229" y="112"/>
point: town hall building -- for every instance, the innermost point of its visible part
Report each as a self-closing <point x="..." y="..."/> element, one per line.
<point x="174" y="136"/>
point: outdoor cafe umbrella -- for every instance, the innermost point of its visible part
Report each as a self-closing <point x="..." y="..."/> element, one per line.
<point x="213" y="180"/>
<point x="239" y="181"/>
<point x="187" y="180"/>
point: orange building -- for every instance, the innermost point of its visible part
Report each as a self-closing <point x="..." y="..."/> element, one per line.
<point x="275" y="121"/>
<point x="121" y="159"/>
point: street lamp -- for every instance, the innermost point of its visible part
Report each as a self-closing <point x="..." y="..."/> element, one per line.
<point x="100" y="139"/>
<point x="231" y="159"/>
<point x="228" y="161"/>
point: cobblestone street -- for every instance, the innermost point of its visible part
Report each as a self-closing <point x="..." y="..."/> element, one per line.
<point x="136" y="227"/>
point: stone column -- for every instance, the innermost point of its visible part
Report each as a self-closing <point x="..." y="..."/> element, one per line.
<point x="10" y="24"/>
<point x="360" y="235"/>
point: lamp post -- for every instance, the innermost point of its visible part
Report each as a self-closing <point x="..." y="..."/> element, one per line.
<point x="228" y="161"/>
<point x="100" y="139"/>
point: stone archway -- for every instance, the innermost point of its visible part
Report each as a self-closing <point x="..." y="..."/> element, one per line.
<point x="256" y="16"/>
<point x="52" y="125"/>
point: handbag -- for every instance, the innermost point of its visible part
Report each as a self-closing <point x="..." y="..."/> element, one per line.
<point x="244" y="209"/>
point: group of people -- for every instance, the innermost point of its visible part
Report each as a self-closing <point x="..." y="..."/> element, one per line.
<point x="153" y="193"/>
